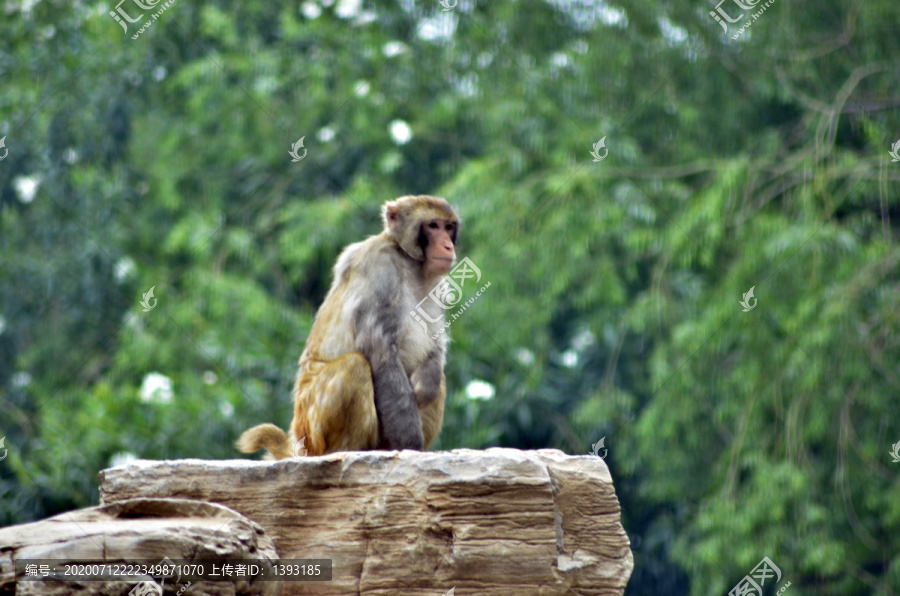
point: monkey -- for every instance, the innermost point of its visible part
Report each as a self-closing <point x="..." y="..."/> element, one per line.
<point x="371" y="376"/>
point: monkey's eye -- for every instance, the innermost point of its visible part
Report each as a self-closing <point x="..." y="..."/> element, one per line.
<point x="449" y="227"/>
<point x="433" y="225"/>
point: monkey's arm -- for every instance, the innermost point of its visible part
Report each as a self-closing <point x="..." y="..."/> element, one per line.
<point x="399" y="424"/>
<point x="378" y="320"/>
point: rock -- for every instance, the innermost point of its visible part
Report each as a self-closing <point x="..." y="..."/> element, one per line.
<point x="132" y="529"/>
<point x="499" y="521"/>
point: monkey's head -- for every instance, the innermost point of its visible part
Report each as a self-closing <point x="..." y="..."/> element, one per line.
<point x="425" y="228"/>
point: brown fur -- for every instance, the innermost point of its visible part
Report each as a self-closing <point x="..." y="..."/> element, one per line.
<point x="370" y="376"/>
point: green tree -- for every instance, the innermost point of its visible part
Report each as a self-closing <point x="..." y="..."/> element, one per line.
<point x="613" y="309"/>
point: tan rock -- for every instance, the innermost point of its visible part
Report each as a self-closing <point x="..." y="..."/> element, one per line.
<point x="499" y="521"/>
<point x="150" y="529"/>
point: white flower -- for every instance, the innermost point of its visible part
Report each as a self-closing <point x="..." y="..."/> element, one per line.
<point x="480" y="390"/>
<point x="156" y="388"/>
<point x="226" y="409"/>
<point x="524" y="356"/>
<point x="612" y="16"/>
<point x="361" y="88"/>
<point x="365" y="17"/>
<point x="121" y="458"/>
<point x="400" y="132"/>
<point x="21" y="379"/>
<point x="438" y="26"/>
<point x="310" y="10"/>
<point x="569" y="359"/>
<point x="392" y="48"/>
<point x="124" y="268"/>
<point x="582" y="340"/>
<point x="346" y="9"/>
<point x="26" y="187"/>
<point x="325" y="134"/>
<point x="560" y="59"/>
<point x="672" y="33"/>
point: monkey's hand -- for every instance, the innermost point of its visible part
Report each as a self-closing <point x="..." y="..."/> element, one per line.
<point x="426" y="380"/>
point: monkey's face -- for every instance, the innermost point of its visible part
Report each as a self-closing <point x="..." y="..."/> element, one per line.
<point x="425" y="227"/>
<point x="437" y="237"/>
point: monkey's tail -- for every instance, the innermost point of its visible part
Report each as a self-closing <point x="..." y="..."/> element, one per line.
<point x="266" y="436"/>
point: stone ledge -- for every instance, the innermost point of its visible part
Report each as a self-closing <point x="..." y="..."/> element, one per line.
<point x="498" y="521"/>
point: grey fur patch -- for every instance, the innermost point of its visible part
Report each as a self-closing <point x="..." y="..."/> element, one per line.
<point x="399" y="425"/>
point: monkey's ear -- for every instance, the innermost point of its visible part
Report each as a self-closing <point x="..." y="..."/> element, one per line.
<point x="402" y="223"/>
<point x="390" y="213"/>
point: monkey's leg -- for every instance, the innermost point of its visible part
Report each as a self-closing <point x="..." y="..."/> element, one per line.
<point x="432" y="414"/>
<point x="334" y="406"/>
<point x="429" y="387"/>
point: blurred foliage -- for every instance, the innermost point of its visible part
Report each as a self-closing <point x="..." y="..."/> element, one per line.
<point x="613" y="308"/>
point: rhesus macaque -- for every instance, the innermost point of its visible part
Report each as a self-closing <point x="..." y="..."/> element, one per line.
<point x="371" y="376"/>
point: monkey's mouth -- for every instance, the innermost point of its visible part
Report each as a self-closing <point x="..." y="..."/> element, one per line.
<point x="442" y="263"/>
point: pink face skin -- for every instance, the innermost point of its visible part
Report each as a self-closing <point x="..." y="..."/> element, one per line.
<point x="440" y="253"/>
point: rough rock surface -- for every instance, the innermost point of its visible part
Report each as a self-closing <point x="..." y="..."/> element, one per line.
<point x="136" y="529"/>
<point x="499" y="521"/>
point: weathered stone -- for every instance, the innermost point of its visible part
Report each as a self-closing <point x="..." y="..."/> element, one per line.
<point x="136" y="529"/>
<point x="499" y="521"/>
